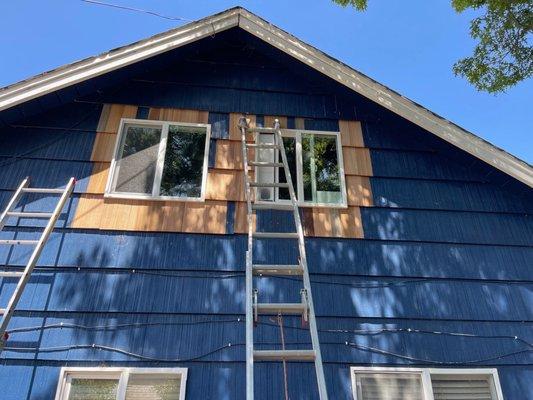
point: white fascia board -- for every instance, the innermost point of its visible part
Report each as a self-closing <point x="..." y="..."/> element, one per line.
<point x="115" y="59"/>
<point x="387" y="98"/>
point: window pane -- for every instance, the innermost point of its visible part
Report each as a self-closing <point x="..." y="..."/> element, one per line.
<point x="265" y="175"/>
<point x="290" y="150"/>
<point x="321" y="176"/>
<point x="390" y="387"/>
<point x="136" y="169"/>
<point x="146" y="387"/>
<point x="184" y="162"/>
<point x="93" y="389"/>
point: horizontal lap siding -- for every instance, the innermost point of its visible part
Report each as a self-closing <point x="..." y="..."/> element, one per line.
<point x="228" y="380"/>
<point x="429" y="194"/>
<point x="128" y="291"/>
<point x="226" y="252"/>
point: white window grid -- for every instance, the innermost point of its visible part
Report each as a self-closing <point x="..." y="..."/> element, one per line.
<point x="425" y="374"/>
<point x="164" y="125"/>
<point x="299" y="189"/>
<point x="114" y="373"/>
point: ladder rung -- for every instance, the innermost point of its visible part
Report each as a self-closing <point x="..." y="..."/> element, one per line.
<point x="275" y="235"/>
<point x="263" y="146"/>
<point x="10" y="274"/>
<point x="16" y="241"/>
<point x="30" y="214"/>
<point x="42" y="190"/>
<point x="259" y="129"/>
<point x="284" y="355"/>
<point x="265" y="164"/>
<point x="269" y="184"/>
<point x="272" y="206"/>
<point x="266" y="269"/>
<point x="280" y="308"/>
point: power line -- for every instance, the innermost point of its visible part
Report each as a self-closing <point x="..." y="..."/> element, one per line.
<point x="153" y="13"/>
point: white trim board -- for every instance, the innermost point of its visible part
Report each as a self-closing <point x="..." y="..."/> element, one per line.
<point x="89" y="68"/>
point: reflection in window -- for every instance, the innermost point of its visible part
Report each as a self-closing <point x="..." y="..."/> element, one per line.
<point x="138" y="160"/>
<point x="390" y="386"/>
<point x="160" y="159"/>
<point x="321" y="176"/>
<point x="290" y="150"/>
<point x="184" y="159"/>
<point x="314" y="165"/>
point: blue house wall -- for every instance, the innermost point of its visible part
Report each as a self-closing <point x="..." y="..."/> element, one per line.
<point x="447" y="247"/>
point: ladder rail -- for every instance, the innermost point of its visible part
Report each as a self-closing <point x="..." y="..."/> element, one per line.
<point x="249" y="272"/>
<point x="15" y="297"/>
<point x="253" y="309"/>
<point x="321" y="381"/>
<point x="13" y="202"/>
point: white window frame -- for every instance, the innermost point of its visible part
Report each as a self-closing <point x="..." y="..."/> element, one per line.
<point x="299" y="189"/>
<point x="426" y="373"/>
<point x="113" y="373"/>
<point x="164" y="125"/>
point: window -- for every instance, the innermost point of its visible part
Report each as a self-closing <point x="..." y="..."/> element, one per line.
<point x="122" y="384"/>
<point x="161" y="160"/>
<point x="315" y="164"/>
<point x="425" y="384"/>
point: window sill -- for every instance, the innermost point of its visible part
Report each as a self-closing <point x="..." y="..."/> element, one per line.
<point x="307" y="205"/>
<point x="125" y="196"/>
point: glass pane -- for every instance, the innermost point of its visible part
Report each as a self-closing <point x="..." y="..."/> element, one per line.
<point x="184" y="162"/>
<point x="321" y="176"/>
<point x="93" y="389"/>
<point x="390" y="387"/>
<point x="146" y="387"/>
<point x="136" y="170"/>
<point x="265" y="175"/>
<point x="290" y="150"/>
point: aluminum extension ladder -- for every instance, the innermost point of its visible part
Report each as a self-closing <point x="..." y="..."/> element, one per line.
<point x="253" y="307"/>
<point x="24" y="276"/>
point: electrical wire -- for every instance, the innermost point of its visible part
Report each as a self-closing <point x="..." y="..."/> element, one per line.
<point x="153" y="13"/>
<point x="370" y="349"/>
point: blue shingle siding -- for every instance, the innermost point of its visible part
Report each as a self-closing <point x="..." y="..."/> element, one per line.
<point x="448" y="246"/>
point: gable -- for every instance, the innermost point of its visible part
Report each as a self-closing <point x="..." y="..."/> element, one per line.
<point x="238" y="17"/>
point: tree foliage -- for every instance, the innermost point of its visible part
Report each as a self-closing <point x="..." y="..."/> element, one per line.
<point x="503" y="55"/>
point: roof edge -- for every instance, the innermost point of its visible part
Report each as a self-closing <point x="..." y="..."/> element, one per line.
<point x="91" y="67"/>
<point x="387" y="98"/>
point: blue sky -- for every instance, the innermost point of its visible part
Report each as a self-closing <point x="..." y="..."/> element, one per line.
<point x="409" y="46"/>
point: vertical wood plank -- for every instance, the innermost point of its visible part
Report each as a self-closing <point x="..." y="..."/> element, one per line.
<point x="88" y="212"/>
<point x="352" y="226"/>
<point x="241" y="218"/>
<point x="234" y="131"/>
<point x="351" y="133"/>
<point x="357" y="161"/>
<point x="359" y="191"/>
<point x="269" y="121"/>
<point x="98" y="179"/>
<point x="225" y="185"/>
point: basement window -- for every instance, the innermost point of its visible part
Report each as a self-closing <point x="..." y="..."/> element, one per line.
<point x="122" y="384"/>
<point x="381" y="383"/>
<point x="316" y="167"/>
<point x="160" y="160"/>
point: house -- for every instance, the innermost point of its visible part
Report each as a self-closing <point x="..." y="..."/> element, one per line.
<point x="418" y="234"/>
